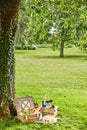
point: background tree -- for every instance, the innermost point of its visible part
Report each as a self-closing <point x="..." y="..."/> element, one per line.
<point x="66" y="16"/>
<point x="8" y="26"/>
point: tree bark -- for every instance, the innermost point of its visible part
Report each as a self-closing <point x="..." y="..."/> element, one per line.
<point x="62" y="49"/>
<point x="8" y="26"/>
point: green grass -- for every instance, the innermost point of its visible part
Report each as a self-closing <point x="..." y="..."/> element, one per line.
<point x="62" y="79"/>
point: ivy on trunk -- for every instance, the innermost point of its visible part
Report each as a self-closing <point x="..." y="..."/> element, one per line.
<point x="8" y="26"/>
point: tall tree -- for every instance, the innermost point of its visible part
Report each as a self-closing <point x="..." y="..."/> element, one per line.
<point x="66" y="16"/>
<point x="70" y="20"/>
<point x="8" y="26"/>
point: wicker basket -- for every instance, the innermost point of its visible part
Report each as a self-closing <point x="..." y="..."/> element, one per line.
<point x="47" y="111"/>
<point x="25" y="109"/>
<point x="28" y="118"/>
<point x="28" y="115"/>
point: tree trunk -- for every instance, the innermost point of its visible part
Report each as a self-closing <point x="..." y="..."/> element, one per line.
<point x="62" y="49"/>
<point x="8" y="26"/>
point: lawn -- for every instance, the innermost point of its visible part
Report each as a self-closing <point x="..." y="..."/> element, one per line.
<point x="64" y="80"/>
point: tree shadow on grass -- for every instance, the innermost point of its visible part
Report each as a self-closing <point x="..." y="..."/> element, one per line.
<point x="84" y="57"/>
<point x="75" y="57"/>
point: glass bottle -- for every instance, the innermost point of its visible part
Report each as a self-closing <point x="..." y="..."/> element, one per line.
<point x="44" y="100"/>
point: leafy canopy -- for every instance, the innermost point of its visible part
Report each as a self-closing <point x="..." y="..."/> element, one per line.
<point x="69" y="18"/>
